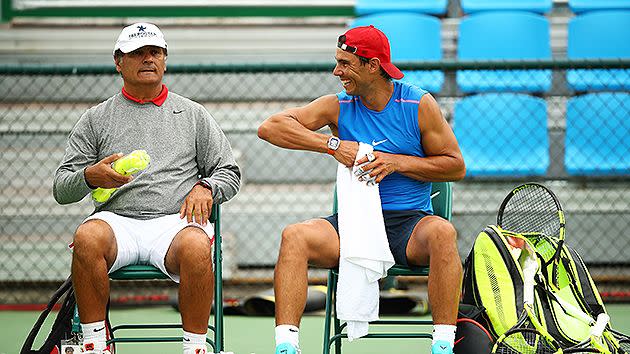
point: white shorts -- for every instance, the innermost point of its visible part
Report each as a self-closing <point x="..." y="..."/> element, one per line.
<point x="145" y="241"/>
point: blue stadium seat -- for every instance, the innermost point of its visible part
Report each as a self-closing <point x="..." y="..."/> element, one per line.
<point x="502" y="135"/>
<point x="412" y="37"/>
<point x="579" y="6"/>
<point x="597" y="35"/>
<point x="434" y="7"/>
<point x="538" y="6"/>
<point x="508" y="35"/>
<point x="597" y="140"/>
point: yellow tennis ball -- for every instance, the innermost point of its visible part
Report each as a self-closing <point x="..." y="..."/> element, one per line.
<point x="134" y="162"/>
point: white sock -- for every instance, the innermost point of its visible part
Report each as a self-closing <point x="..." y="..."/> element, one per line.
<point x="445" y="333"/>
<point x="95" y="333"/>
<point x="288" y="334"/>
<point x="194" y="341"/>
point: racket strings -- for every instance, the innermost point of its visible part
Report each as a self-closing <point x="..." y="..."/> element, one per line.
<point x="525" y="341"/>
<point x="624" y="345"/>
<point x="544" y="245"/>
<point x="532" y="210"/>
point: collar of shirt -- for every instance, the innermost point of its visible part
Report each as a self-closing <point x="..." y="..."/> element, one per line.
<point x="158" y="101"/>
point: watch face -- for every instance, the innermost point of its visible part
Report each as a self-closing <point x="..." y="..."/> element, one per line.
<point x="333" y="143"/>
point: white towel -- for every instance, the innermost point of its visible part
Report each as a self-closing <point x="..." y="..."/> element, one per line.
<point x="364" y="256"/>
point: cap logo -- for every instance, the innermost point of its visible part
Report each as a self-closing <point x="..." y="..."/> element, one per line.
<point x="341" y="44"/>
<point x="142" y="34"/>
<point x="141" y="28"/>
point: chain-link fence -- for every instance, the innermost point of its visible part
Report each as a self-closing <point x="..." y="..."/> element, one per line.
<point x="576" y="142"/>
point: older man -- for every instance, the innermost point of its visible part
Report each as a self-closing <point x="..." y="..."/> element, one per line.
<point x="160" y="216"/>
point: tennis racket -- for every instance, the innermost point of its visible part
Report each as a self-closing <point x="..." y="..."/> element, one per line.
<point x="527" y="336"/>
<point x="534" y="210"/>
<point x="602" y="338"/>
<point x="594" y="341"/>
<point x="621" y="341"/>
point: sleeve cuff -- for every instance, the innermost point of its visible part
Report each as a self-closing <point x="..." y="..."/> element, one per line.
<point x="205" y="184"/>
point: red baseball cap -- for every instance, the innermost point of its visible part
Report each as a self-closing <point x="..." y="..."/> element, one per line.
<point x="369" y="42"/>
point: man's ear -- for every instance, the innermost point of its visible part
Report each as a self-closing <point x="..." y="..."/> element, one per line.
<point x="375" y="65"/>
<point x="117" y="62"/>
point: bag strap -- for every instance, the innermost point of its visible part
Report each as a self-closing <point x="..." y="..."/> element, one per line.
<point x="27" y="347"/>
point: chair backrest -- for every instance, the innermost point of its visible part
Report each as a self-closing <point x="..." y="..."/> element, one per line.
<point x="502" y="134"/>
<point x="538" y="6"/>
<point x="504" y="35"/>
<point x="601" y="34"/>
<point x="442" y="199"/>
<point x="411" y="36"/>
<point x="594" y="35"/>
<point x="578" y="6"/>
<point x="435" y="7"/>
<point x="597" y="135"/>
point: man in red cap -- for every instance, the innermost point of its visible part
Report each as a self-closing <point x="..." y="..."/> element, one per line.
<point x="413" y="145"/>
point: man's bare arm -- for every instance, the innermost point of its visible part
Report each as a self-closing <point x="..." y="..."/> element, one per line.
<point x="295" y="129"/>
<point x="444" y="161"/>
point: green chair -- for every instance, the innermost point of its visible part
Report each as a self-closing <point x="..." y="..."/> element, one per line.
<point x="147" y="272"/>
<point x="441" y="198"/>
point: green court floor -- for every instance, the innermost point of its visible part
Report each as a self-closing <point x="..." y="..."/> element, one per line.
<point x="244" y="335"/>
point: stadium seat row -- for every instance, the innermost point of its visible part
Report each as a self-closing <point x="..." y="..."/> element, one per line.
<point x="510" y="35"/>
<point x="506" y="135"/>
<point x="439" y="7"/>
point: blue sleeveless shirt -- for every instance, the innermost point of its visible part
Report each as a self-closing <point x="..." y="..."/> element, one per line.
<point x="393" y="130"/>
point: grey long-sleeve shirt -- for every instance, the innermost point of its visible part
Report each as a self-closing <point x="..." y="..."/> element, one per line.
<point x="183" y="140"/>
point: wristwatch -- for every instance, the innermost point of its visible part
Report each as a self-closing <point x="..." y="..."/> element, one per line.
<point x="333" y="145"/>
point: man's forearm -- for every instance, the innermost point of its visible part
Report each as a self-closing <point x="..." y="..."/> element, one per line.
<point x="225" y="182"/>
<point x="288" y="133"/>
<point x="69" y="186"/>
<point x="441" y="168"/>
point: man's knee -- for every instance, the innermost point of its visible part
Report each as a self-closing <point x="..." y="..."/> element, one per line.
<point x="194" y="247"/>
<point x="293" y="236"/>
<point x="94" y="237"/>
<point x="443" y="235"/>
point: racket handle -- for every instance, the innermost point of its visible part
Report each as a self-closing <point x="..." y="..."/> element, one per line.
<point x="600" y="325"/>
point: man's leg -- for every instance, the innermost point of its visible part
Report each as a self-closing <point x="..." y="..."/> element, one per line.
<point x="190" y="257"/>
<point x="315" y="242"/>
<point x="434" y="242"/>
<point x="94" y="253"/>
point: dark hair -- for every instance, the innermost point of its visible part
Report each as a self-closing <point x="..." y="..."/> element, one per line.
<point x="384" y="74"/>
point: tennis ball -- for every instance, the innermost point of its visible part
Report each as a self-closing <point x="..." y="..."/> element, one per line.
<point x="134" y="162"/>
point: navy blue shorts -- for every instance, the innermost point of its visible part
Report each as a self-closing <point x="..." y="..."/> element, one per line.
<point x="399" y="225"/>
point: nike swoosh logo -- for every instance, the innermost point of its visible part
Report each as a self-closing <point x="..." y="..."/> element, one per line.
<point x="292" y="330"/>
<point x="178" y="112"/>
<point x="98" y="329"/>
<point x="374" y="143"/>
<point x="186" y="339"/>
